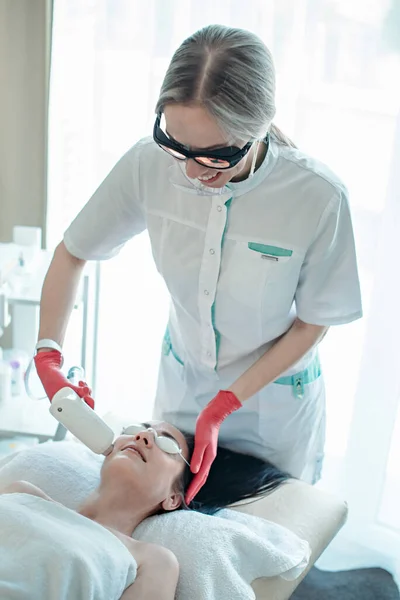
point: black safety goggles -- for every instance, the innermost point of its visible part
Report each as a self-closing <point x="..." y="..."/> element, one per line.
<point x="222" y="158"/>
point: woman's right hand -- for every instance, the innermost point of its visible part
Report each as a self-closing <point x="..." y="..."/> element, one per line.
<point x="48" y="366"/>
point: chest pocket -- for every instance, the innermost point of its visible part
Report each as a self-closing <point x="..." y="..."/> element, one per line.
<point x="273" y="264"/>
<point x="274" y="253"/>
<point x="258" y="282"/>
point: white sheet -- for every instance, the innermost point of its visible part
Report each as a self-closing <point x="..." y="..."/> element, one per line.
<point x="49" y="552"/>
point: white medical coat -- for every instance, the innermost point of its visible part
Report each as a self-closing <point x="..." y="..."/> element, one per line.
<point x="240" y="264"/>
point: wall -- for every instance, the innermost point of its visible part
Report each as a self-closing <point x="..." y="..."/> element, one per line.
<point x="25" y="30"/>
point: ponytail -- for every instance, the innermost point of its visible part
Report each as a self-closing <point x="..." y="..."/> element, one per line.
<point x="280" y="137"/>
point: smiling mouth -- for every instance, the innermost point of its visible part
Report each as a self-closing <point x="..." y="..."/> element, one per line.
<point x="135" y="451"/>
<point x="211" y="180"/>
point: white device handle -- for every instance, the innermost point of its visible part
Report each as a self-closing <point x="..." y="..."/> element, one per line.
<point x="81" y="420"/>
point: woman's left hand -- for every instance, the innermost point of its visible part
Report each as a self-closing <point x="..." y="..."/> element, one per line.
<point x="206" y="438"/>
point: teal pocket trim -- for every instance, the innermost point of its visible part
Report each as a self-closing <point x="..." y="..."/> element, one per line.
<point x="216" y="332"/>
<point x="167" y="348"/>
<point x="271" y="250"/>
<point x="299" y="380"/>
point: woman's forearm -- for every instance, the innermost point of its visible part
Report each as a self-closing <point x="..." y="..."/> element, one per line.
<point x="59" y="293"/>
<point x="289" y="349"/>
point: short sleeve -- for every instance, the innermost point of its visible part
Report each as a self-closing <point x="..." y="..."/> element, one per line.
<point x="329" y="289"/>
<point x="112" y="216"/>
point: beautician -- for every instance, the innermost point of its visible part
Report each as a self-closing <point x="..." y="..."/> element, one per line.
<point x="255" y="243"/>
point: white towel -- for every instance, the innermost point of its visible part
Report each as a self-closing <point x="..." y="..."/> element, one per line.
<point x="48" y="552"/>
<point x="219" y="556"/>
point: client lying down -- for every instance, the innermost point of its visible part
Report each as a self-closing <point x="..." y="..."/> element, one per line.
<point x="91" y="551"/>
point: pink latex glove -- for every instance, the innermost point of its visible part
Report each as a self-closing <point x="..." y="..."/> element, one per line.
<point x="48" y="366"/>
<point x="206" y="438"/>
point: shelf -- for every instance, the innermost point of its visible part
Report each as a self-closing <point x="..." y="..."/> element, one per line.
<point x="27" y="289"/>
<point x="20" y="415"/>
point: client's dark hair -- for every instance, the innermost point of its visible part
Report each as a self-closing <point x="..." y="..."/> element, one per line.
<point x="233" y="477"/>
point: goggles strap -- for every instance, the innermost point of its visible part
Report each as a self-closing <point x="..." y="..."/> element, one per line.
<point x="253" y="162"/>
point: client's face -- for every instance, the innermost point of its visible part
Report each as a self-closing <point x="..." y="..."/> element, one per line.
<point x="140" y="466"/>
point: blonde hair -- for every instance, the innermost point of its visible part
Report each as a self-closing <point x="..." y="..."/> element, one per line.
<point x="231" y="73"/>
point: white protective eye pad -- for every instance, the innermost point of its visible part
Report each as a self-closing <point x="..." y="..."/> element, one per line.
<point x="166" y="444"/>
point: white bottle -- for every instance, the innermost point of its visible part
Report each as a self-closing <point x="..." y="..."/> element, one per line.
<point x="18" y="360"/>
<point x="5" y="381"/>
<point x="17" y="378"/>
